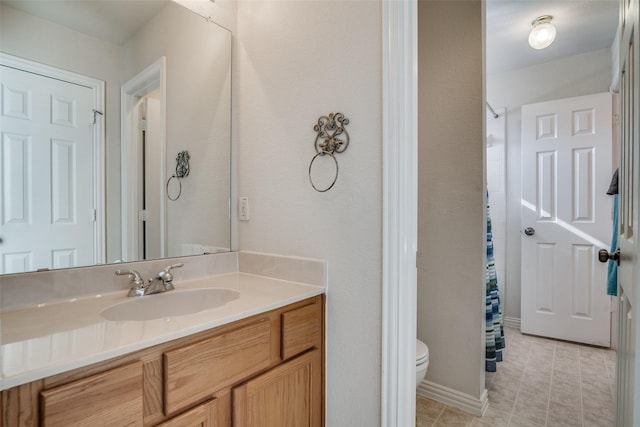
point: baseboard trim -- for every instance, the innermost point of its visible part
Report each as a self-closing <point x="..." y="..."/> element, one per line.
<point x="512" y="322"/>
<point x="454" y="398"/>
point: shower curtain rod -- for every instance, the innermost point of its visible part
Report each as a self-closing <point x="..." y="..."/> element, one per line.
<point x="495" y="115"/>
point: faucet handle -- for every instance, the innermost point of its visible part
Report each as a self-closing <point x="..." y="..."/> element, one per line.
<point x="134" y="276"/>
<point x="177" y="265"/>
<point x="138" y="287"/>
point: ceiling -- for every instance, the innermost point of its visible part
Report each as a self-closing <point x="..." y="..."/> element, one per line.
<point x="112" y="20"/>
<point x="581" y="25"/>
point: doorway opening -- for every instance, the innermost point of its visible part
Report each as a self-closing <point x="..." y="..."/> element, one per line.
<point x="544" y="76"/>
<point x="143" y="164"/>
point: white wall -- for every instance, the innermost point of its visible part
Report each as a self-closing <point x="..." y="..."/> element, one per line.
<point x="578" y="75"/>
<point x="451" y="188"/>
<point x="496" y="131"/>
<point x="297" y="61"/>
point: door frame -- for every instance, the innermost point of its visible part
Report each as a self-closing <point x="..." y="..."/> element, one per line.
<point x="97" y="88"/>
<point x="400" y="211"/>
<point x="151" y="78"/>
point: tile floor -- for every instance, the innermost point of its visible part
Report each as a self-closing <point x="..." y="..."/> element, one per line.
<point x="542" y="382"/>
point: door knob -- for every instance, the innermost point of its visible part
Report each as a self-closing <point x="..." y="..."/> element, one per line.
<point x="604" y="256"/>
<point x="529" y="231"/>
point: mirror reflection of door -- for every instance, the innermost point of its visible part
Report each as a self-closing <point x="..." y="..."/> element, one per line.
<point x="48" y="176"/>
<point x="151" y="222"/>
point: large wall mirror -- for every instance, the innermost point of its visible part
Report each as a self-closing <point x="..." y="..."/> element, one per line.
<point x="115" y="130"/>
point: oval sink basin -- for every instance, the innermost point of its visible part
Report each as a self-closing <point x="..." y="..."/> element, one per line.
<point x="169" y="304"/>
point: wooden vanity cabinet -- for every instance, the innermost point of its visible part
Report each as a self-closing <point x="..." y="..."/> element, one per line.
<point x="265" y="370"/>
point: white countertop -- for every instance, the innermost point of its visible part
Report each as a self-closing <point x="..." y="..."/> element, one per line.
<point x="44" y="340"/>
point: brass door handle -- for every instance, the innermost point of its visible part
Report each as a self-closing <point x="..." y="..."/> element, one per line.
<point x="604" y="256"/>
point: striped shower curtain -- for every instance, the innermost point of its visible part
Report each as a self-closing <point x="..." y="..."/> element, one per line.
<point x="494" y="336"/>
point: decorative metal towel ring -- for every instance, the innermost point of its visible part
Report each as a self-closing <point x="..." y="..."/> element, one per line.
<point x="182" y="171"/>
<point x="173" y="199"/>
<point x="331" y="139"/>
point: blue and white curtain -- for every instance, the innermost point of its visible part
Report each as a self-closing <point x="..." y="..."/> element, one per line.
<point x="494" y="325"/>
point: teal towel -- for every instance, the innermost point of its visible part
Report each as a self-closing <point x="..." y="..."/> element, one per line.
<point x="612" y="271"/>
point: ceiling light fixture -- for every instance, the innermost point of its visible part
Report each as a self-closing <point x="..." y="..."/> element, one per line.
<point x="543" y="32"/>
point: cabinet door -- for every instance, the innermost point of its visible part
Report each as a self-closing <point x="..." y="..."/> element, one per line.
<point x="289" y="395"/>
<point x="112" y="398"/>
<point x="204" y="415"/>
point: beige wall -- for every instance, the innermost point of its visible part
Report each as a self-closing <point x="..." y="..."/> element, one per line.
<point x="298" y="60"/>
<point x="451" y="188"/>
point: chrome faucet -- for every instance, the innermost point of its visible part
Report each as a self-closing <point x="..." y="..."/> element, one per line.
<point x="163" y="281"/>
<point x="138" y="286"/>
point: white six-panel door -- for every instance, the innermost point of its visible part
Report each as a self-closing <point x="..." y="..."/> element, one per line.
<point x="47" y="159"/>
<point x="566" y="218"/>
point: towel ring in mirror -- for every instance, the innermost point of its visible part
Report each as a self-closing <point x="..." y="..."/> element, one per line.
<point x="182" y="171"/>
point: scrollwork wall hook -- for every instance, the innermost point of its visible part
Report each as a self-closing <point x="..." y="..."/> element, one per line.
<point x="331" y="138"/>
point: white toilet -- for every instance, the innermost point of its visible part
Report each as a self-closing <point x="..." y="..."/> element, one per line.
<point x="422" y="361"/>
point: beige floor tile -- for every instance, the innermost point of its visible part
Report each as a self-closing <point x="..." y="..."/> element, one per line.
<point x="513" y="362"/>
<point x="540" y="389"/>
<point x="567" y="356"/>
<point x="594" y="375"/>
<point x="517" y="421"/>
<point x="571" y="368"/>
<point x="428" y="408"/>
<point x="531" y="407"/>
<point x="569" y="379"/>
<point x="502" y="405"/>
<point x="596" y="387"/>
<point x="588" y="351"/>
<point x="557" y="421"/>
<point x="538" y="354"/>
<point x="454" y="417"/>
<point x="424" y="422"/>
<point x="504" y="384"/>
<point x="569" y="397"/>
<point x="603" y="408"/>
<point x="514" y="373"/>
<point x="493" y="417"/>
<point x="501" y="400"/>
<point x="561" y="411"/>
<point x="597" y="420"/>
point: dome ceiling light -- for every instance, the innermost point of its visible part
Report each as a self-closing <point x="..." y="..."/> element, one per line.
<point x="543" y="32"/>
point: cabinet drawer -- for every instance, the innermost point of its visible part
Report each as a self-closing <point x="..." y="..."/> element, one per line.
<point x="301" y="330"/>
<point x="204" y="415"/>
<point x="112" y="398"/>
<point x="196" y="371"/>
